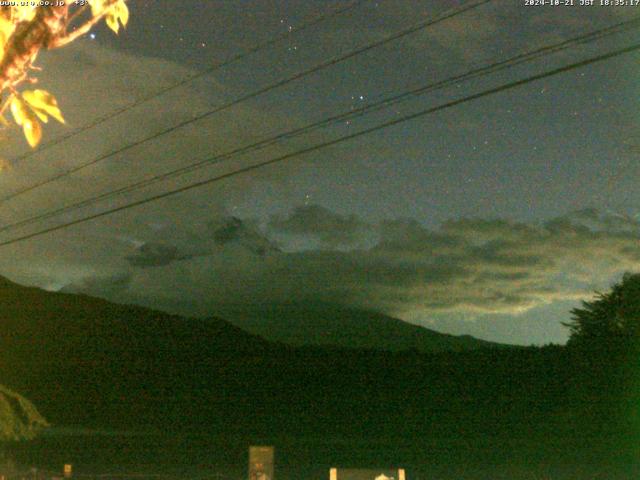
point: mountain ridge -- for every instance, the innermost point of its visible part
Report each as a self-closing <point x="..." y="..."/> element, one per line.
<point x="324" y="324"/>
<point x="289" y="324"/>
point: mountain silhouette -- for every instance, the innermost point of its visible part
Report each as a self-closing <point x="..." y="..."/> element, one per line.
<point x="322" y="324"/>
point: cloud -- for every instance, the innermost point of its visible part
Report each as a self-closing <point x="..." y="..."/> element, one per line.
<point x="318" y="223"/>
<point x="103" y="286"/>
<point x="467" y="266"/>
<point x="155" y="254"/>
<point x="221" y="235"/>
<point x="234" y="231"/>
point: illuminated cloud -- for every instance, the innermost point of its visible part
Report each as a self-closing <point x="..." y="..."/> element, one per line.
<point x="322" y="225"/>
<point x="105" y="285"/>
<point x="155" y="254"/>
<point x="468" y="266"/>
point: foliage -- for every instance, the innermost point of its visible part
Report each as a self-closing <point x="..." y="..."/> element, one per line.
<point x="19" y="419"/>
<point x="24" y="31"/>
<point x="612" y="319"/>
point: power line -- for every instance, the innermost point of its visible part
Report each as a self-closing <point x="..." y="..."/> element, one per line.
<point x="450" y="13"/>
<point x="487" y="69"/>
<point x="235" y="58"/>
<point x="272" y="161"/>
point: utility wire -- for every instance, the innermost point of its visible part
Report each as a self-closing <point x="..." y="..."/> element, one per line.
<point x="304" y="151"/>
<point x="384" y="103"/>
<point x="233" y="59"/>
<point x="450" y="13"/>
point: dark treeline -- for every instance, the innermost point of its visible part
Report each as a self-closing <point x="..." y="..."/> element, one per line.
<point x="555" y="406"/>
<point x="520" y="391"/>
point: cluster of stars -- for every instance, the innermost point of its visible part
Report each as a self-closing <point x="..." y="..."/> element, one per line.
<point x="292" y="48"/>
<point x="358" y="98"/>
<point x="289" y="27"/>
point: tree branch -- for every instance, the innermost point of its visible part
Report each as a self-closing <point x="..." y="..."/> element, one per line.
<point x="61" y="41"/>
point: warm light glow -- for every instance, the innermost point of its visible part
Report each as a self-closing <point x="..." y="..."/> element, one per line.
<point x="261" y="462"/>
<point x="366" y="474"/>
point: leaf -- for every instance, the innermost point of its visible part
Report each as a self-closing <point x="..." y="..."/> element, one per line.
<point x="32" y="131"/>
<point x="24" y="117"/>
<point x="98" y="7"/>
<point x="115" y="13"/>
<point x="43" y="104"/>
<point x="112" y="22"/>
<point x="19" y="110"/>
<point x="43" y="118"/>
<point x="123" y="12"/>
<point x="118" y="13"/>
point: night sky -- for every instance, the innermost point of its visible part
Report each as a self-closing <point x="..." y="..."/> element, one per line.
<point x="492" y="218"/>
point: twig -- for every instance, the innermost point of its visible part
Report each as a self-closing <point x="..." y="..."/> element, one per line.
<point x="80" y="31"/>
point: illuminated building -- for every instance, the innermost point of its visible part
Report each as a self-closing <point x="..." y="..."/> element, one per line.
<point x="366" y="474"/>
<point x="261" y="463"/>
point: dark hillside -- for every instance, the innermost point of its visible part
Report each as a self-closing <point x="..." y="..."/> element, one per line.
<point x="88" y="362"/>
<point x="334" y="325"/>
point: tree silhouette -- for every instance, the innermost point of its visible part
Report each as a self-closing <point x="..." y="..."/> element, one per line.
<point x="612" y="319"/>
<point x="19" y="419"/>
<point x="28" y="27"/>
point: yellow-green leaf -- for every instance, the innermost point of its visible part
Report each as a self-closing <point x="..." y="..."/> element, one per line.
<point x="112" y="22"/>
<point x="27" y="120"/>
<point x="19" y="110"/>
<point x="98" y="6"/>
<point x="118" y="14"/>
<point x="43" y="118"/>
<point x="43" y="104"/>
<point x="32" y="131"/>
<point x="123" y="12"/>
